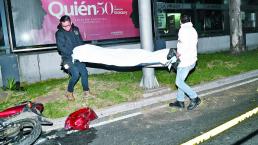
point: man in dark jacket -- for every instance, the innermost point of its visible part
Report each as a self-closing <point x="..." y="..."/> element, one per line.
<point x="67" y="38"/>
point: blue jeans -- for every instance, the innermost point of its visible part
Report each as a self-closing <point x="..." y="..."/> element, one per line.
<point x="183" y="88"/>
<point x="77" y="70"/>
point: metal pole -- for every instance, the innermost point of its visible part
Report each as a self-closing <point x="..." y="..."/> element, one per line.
<point x="236" y="33"/>
<point x="149" y="80"/>
<point x="4" y="25"/>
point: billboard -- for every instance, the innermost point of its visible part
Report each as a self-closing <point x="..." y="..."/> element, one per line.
<point x="35" y="21"/>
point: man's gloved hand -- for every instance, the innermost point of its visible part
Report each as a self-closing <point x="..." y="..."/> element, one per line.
<point x="172" y="65"/>
<point x="66" y="66"/>
<point x="173" y="60"/>
<point x="172" y="52"/>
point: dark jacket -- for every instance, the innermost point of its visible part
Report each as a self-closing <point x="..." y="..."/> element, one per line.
<point x="66" y="41"/>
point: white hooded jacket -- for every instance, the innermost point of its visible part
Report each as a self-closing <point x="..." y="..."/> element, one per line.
<point x="187" y="44"/>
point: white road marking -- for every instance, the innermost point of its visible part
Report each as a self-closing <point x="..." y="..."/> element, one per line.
<point x="116" y="119"/>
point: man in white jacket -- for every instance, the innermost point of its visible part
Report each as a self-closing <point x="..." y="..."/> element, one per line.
<point x="187" y="53"/>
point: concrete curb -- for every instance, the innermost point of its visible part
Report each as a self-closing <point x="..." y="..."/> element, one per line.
<point x="129" y="106"/>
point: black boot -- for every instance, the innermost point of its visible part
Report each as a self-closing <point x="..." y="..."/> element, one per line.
<point x="178" y="104"/>
<point x="194" y="103"/>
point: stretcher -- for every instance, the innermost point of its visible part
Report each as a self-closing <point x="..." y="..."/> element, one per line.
<point x="122" y="57"/>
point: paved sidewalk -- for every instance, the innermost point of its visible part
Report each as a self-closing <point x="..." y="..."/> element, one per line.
<point x="158" y="97"/>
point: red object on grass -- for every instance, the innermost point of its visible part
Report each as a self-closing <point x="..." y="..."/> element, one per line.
<point x="80" y="119"/>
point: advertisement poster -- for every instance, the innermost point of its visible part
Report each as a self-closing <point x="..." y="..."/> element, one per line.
<point x="173" y="21"/>
<point x="35" y="21"/>
<point x="162" y="20"/>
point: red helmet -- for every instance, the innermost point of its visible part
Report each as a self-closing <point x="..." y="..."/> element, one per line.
<point x="80" y="119"/>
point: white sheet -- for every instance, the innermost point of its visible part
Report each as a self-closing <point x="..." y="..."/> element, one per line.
<point x="120" y="57"/>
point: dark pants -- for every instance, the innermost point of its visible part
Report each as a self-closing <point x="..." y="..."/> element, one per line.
<point x="76" y="71"/>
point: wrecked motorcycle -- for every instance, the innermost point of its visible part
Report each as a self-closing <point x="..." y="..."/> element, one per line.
<point x="21" y="124"/>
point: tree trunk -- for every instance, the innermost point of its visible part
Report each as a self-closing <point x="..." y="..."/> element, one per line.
<point x="149" y="80"/>
<point x="236" y="32"/>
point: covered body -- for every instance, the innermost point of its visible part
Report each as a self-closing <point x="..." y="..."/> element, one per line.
<point x="120" y="57"/>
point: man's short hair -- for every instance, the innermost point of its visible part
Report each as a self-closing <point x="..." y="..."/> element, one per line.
<point x="185" y="18"/>
<point x="65" y="18"/>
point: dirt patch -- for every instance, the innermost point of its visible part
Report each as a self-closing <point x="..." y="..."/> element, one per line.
<point x="54" y="95"/>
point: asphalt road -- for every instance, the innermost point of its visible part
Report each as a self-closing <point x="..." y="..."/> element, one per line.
<point x="168" y="126"/>
<point x="245" y="133"/>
